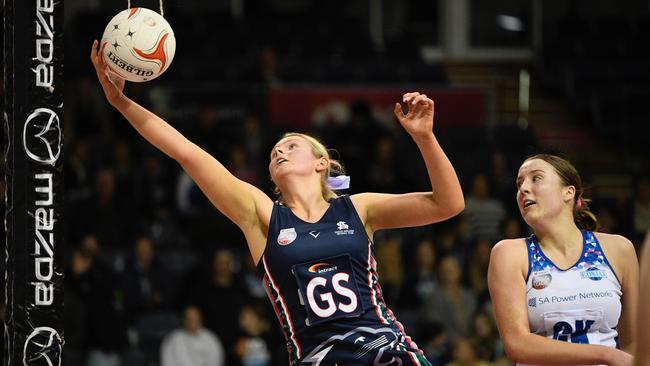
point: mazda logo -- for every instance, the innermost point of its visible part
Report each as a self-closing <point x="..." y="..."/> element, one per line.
<point x="43" y="348"/>
<point x="42" y="136"/>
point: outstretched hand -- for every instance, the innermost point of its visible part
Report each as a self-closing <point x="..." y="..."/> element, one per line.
<point x="112" y="83"/>
<point x="418" y="121"/>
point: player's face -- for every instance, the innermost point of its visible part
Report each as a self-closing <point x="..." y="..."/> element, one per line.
<point x="292" y="154"/>
<point x="540" y="191"/>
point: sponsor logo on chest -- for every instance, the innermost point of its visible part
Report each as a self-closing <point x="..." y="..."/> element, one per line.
<point x="287" y="236"/>
<point x="593" y="274"/>
<point x="541" y="279"/>
<point x="580" y="297"/>
<point x="343" y="229"/>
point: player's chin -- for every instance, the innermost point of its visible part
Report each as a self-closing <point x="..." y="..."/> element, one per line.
<point x="278" y="173"/>
<point x="532" y="219"/>
<point x="528" y="216"/>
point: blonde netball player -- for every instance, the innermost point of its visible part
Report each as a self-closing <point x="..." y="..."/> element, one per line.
<point x="314" y="248"/>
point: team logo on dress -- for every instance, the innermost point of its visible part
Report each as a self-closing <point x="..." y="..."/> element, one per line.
<point x="593" y="274"/>
<point x="343" y="229"/>
<point x="287" y="236"/>
<point x="373" y="346"/>
<point x="541" y="280"/>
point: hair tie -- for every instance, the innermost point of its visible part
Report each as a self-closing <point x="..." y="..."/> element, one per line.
<point x="339" y="182"/>
<point x="579" y="203"/>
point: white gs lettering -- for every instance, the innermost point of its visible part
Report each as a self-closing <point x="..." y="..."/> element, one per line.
<point x="328" y="298"/>
<point x="336" y="281"/>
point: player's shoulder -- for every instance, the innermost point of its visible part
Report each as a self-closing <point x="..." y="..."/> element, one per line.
<point x="510" y="249"/>
<point x="510" y="244"/>
<point x="509" y="258"/>
<point x="615" y="244"/>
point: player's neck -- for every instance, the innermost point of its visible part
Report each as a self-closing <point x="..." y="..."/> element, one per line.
<point x="561" y="236"/>
<point x="307" y="202"/>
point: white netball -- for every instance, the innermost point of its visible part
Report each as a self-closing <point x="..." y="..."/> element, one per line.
<point x="138" y="44"/>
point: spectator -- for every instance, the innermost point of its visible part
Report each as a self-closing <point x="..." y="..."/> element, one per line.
<point x="501" y="181"/>
<point x="209" y="293"/>
<point x="477" y="269"/>
<point x="109" y="221"/>
<point x="452" y="305"/>
<point x="77" y="174"/>
<point x="512" y="228"/>
<point x="450" y="243"/>
<point x="487" y="343"/>
<point x="124" y="168"/>
<point x="192" y="345"/>
<point x="143" y="281"/>
<point x="240" y="167"/>
<point x="420" y="283"/>
<point x="153" y="187"/>
<point x="437" y="346"/>
<point x="389" y="268"/>
<point x="95" y="283"/>
<point x="383" y="169"/>
<point x="252" y="346"/>
<point x="465" y="354"/>
<point x="484" y="213"/>
<point x="254" y="138"/>
<point x="75" y="309"/>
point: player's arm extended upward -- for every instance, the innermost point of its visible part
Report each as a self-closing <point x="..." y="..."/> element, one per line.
<point x="241" y="202"/>
<point x="386" y="211"/>
<point x="507" y="287"/>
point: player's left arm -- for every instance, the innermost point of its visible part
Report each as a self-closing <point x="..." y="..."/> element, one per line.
<point x="622" y="256"/>
<point x="387" y="211"/>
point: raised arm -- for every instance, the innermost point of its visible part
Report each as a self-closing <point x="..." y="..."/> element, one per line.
<point x="244" y="204"/>
<point x="507" y="285"/>
<point x="445" y="200"/>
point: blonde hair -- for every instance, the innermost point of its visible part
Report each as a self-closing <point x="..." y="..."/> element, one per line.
<point x="582" y="215"/>
<point x="319" y="150"/>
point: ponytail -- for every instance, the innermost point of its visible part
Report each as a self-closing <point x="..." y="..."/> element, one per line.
<point x="582" y="215"/>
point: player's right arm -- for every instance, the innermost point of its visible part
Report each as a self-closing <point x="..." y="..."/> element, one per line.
<point x="507" y="284"/>
<point x="247" y="206"/>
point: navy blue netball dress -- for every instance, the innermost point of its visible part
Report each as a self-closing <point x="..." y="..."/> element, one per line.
<point x="322" y="280"/>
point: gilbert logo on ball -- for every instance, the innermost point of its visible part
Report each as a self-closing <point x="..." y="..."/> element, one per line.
<point x="138" y="44"/>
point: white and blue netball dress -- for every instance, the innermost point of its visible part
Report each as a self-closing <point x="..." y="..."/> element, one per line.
<point x="322" y="280"/>
<point x="581" y="304"/>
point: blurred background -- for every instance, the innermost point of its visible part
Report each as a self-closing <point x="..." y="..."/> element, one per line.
<point x="148" y="255"/>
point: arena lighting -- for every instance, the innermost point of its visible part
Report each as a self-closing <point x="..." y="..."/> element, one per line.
<point x="510" y="23"/>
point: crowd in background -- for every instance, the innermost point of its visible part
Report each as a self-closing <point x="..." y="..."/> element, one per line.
<point x="155" y="275"/>
<point x="153" y="267"/>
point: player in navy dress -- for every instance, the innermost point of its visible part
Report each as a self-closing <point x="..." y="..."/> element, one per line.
<point x="313" y="248"/>
<point x="567" y="295"/>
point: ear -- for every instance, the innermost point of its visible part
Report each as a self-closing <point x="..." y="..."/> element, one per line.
<point x="322" y="164"/>
<point x="569" y="193"/>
